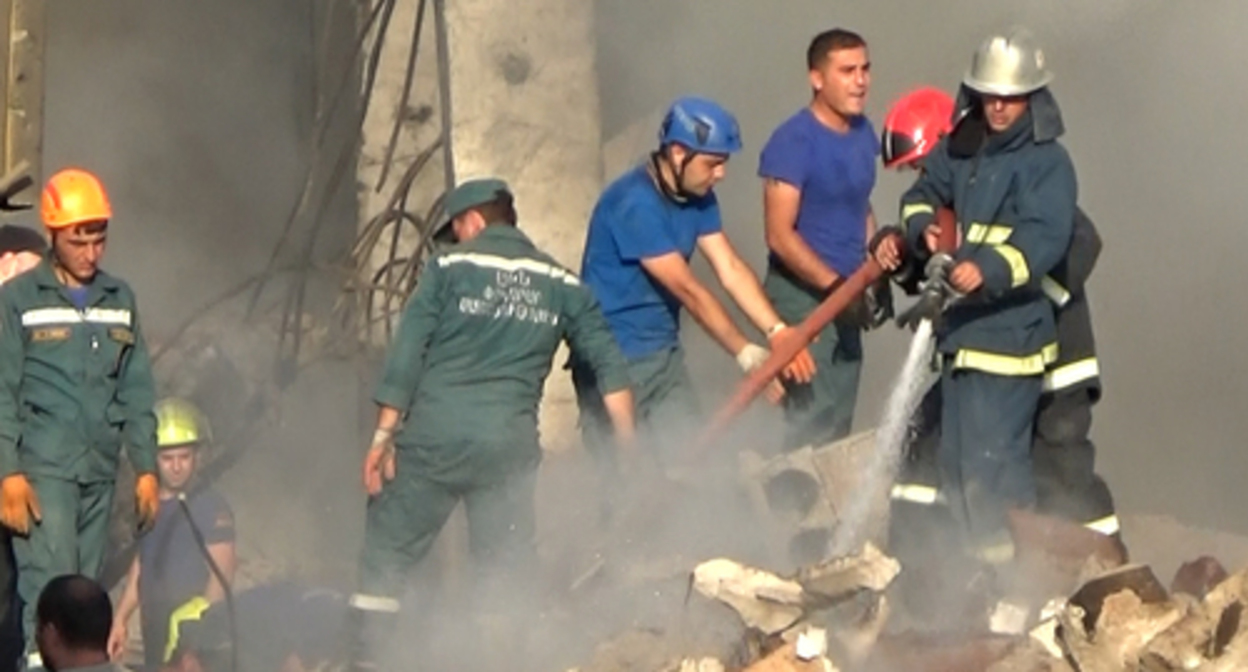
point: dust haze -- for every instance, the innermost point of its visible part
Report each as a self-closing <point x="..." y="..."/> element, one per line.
<point x="196" y="115"/>
<point x="1151" y="92"/>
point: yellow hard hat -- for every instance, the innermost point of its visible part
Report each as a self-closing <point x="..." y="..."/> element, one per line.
<point x="179" y="423"/>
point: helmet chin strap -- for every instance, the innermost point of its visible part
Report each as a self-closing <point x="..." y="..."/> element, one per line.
<point x="678" y="194"/>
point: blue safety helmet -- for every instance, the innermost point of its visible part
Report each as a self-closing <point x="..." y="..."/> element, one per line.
<point x="702" y="125"/>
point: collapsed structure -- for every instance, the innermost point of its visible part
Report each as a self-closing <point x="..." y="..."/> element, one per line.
<point x="851" y="613"/>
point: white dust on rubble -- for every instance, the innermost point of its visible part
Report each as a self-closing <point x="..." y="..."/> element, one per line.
<point x="890" y="438"/>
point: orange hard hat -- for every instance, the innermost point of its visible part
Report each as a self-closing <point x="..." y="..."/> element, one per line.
<point x="74" y="197"/>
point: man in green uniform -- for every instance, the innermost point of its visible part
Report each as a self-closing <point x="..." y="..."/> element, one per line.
<point x="464" y="377"/>
<point x="75" y="385"/>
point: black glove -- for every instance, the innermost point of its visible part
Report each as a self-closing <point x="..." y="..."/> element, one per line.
<point x="879" y="300"/>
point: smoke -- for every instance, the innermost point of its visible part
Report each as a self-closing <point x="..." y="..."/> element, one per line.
<point x="197" y="117"/>
<point x="194" y="116"/>
<point x="1151" y="106"/>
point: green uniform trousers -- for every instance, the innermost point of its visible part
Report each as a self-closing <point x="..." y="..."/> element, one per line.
<point x="666" y="411"/>
<point x="71" y="539"/>
<point x="404" y="520"/>
<point x="823" y="410"/>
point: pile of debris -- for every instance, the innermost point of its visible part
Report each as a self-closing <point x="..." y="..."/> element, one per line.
<point x="859" y="613"/>
<point x="834" y="616"/>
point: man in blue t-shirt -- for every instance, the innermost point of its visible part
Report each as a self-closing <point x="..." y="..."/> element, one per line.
<point x="170" y="568"/>
<point x="818" y="170"/>
<point x="642" y="234"/>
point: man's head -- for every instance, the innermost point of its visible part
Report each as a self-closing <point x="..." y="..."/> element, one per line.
<point x="474" y="205"/>
<point x="696" y="139"/>
<point x="72" y="621"/>
<point x="1005" y="71"/>
<point x="76" y="211"/>
<point x="180" y="431"/>
<point x="840" y="72"/>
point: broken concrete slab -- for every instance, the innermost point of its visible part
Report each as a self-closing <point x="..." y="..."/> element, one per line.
<point x="1138" y="579"/>
<point x="1209" y="628"/>
<point x="837" y="578"/>
<point x="1127" y="625"/>
<point x="764" y="601"/>
<point x="1198" y="577"/>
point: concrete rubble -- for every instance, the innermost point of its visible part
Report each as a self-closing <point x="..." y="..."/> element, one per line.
<point x="1071" y="601"/>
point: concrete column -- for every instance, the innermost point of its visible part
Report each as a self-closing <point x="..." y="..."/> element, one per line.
<point x="22" y="51"/>
<point x="524" y="100"/>
<point x="523" y="106"/>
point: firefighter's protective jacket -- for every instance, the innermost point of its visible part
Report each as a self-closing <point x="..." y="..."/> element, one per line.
<point x="1014" y="195"/>
<point x="75" y="385"/>
<point x="1076" y="367"/>
<point x="475" y="346"/>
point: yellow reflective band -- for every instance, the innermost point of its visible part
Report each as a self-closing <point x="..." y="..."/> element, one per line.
<point x="363" y="602"/>
<point x="1006" y="365"/>
<point x="1068" y="375"/>
<point x="1107" y="526"/>
<point x="915" y="494"/>
<point x="192" y="610"/>
<point x="912" y="209"/>
<point x="990" y="234"/>
<point x="1019" y="273"/>
<point x="1055" y="291"/>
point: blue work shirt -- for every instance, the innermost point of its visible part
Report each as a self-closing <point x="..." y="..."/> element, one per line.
<point x="835" y="173"/>
<point x="633" y="221"/>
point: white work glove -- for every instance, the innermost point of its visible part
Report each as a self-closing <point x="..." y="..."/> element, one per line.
<point x="752" y="356"/>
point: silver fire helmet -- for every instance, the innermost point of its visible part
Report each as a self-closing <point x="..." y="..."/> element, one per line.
<point x="1008" y="65"/>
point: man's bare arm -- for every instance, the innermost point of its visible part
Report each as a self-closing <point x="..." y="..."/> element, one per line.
<point x="673" y="272"/>
<point x="223" y="555"/>
<point x="781" y="202"/>
<point x="619" y="405"/>
<point x="739" y="280"/>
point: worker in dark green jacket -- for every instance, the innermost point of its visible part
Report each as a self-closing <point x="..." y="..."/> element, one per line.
<point x="459" y="400"/>
<point x="75" y="386"/>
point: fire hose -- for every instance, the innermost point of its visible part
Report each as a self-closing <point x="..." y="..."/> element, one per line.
<point x="833" y="305"/>
<point x="933" y="300"/>
<point x="807" y="329"/>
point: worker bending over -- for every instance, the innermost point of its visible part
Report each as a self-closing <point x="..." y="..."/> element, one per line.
<point x="75" y="385"/>
<point x="170" y="569"/>
<point x="459" y="398"/>
<point x="643" y="232"/>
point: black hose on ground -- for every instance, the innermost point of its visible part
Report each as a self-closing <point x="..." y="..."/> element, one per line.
<point x="216" y="571"/>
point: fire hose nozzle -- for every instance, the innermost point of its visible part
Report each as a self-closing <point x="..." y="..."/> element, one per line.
<point x="935" y="293"/>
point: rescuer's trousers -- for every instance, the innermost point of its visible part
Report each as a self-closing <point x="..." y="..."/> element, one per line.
<point x="823" y="410"/>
